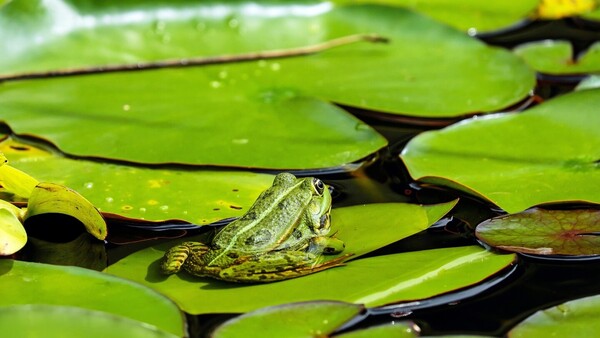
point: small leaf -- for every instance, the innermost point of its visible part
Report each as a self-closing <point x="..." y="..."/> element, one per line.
<point x="54" y="198"/>
<point x="40" y="320"/>
<point x="35" y="283"/>
<point x="556" y="57"/>
<point x="15" y="181"/>
<point x="545" y="232"/>
<point x="308" y="319"/>
<point x="396" y="330"/>
<point x="577" y="318"/>
<point x="12" y="234"/>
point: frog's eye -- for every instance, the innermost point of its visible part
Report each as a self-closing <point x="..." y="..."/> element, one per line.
<point x="319" y="186"/>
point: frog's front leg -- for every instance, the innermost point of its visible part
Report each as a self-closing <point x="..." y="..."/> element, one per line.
<point x="175" y="257"/>
<point x="276" y="266"/>
<point x="326" y="245"/>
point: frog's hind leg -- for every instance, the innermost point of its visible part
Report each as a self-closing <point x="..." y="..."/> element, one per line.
<point x="175" y="257"/>
<point x="276" y="266"/>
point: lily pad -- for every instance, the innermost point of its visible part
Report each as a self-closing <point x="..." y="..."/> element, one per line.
<point x="35" y="283"/>
<point x="372" y="281"/>
<point x="545" y="232"/>
<point x="12" y="234"/>
<point x="264" y="98"/>
<point x="506" y="158"/>
<point x="577" y="318"/>
<point x="64" y="321"/>
<point x="395" y="330"/>
<point x="15" y="181"/>
<point x="467" y="15"/>
<point x="310" y="319"/>
<point x="53" y="198"/>
<point x="196" y="196"/>
<point x="556" y="57"/>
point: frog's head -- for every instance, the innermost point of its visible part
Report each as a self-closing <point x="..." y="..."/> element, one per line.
<point x="320" y="205"/>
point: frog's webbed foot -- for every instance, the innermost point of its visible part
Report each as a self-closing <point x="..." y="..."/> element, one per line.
<point x="175" y="257"/>
<point x="276" y="266"/>
<point x="326" y="245"/>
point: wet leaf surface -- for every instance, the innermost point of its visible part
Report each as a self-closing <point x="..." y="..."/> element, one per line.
<point x="263" y="97"/>
<point x="545" y="232"/>
<point x="310" y="319"/>
<point x="29" y="320"/>
<point x="506" y="158"/>
<point x="35" y="283"/>
<point x="576" y="318"/>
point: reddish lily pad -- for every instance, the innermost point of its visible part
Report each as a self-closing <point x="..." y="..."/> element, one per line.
<point x="545" y="232"/>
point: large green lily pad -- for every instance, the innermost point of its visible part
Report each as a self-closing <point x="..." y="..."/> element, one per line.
<point x="556" y="57"/>
<point x="35" y="283"/>
<point x="576" y="318"/>
<point x="196" y="196"/>
<point x="545" y="232"/>
<point x="38" y="320"/>
<point x="374" y="281"/>
<point x="546" y="154"/>
<point x="153" y="116"/>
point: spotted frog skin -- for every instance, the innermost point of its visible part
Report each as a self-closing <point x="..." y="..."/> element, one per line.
<point x="283" y="235"/>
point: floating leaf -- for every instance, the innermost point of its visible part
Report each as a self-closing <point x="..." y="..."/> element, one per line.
<point x="53" y="198"/>
<point x="504" y="158"/>
<point x="577" y="318"/>
<point x="468" y="15"/>
<point x="35" y="283"/>
<point x="556" y="57"/>
<point x="14" y="180"/>
<point x="545" y="232"/>
<point x="39" y="320"/>
<point x="196" y="196"/>
<point x="12" y="234"/>
<point x="310" y="319"/>
<point x="372" y="281"/>
<point x="264" y="98"/>
<point x="395" y="330"/>
<point x="590" y="82"/>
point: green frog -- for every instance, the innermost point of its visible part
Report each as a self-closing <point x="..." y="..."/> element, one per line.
<point x="282" y="236"/>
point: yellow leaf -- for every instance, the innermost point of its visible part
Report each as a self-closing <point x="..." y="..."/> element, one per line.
<point x="12" y="234"/>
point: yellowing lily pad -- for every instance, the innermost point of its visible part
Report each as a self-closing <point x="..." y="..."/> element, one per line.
<point x="12" y="234"/>
<point x="576" y="318"/>
<point x="548" y="153"/>
<point x="545" y="232"/>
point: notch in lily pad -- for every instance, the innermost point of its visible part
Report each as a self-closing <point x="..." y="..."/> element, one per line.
<point x="545" y="232"/>
<point x="49" y="198"/>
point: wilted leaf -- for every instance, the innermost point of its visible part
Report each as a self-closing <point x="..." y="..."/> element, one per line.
<point x="15" y="181"/>
<point x="505" y="158"/>
<point x="39" y="320"/>
<point x="545" y="232"/>
<point x="53" y="198"/>
<point x="12" y="234"/>
<point x="35" y="283"/>
<point x="577" y="318"/>
<point x="309" y="319"/>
